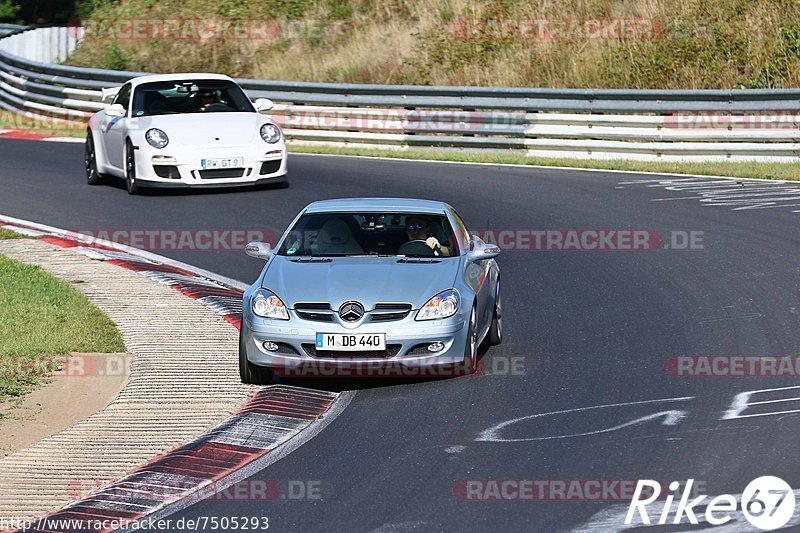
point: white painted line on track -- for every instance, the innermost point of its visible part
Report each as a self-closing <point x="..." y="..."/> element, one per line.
<point x="75" y="140"/>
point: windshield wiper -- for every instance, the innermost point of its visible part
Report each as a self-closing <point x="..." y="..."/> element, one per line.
<point x="419" y="260"/>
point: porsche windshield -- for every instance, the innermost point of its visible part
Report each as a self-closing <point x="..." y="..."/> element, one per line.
<point x="380" y="234"/>
<point x="191" y="96"/>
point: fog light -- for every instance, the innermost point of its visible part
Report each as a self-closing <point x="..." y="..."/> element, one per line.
<point x="164" y="159"/>
<point x="436" y="347"/>
<point x="270" y="346"/>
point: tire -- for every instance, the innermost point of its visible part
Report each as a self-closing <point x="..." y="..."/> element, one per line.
<point x="249" y="373"/>
<point x="130" y="169"/>
<point x="93" y="177"/>
<point x="495" y="335"/>
<point x="470" y="364"/>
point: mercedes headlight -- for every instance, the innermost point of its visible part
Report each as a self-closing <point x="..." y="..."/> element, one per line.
<point x="270" y="133"/>
<point x="442" y="305"/>
<point x="156" y="138"/>
<point x="267" y="305"/>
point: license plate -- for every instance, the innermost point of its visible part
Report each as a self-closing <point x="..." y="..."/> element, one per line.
<point x="358" y="342"/>
<point x="224" y="162"/>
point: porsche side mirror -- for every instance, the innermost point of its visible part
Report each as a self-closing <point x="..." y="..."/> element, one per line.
<point x="115" y="110"/>
<point x="263" y="104"/>
<point x="482" y="252"/>
<point x="259" y="250"/>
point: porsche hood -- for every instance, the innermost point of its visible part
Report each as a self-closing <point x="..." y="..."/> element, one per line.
<point x="209" y="130"/>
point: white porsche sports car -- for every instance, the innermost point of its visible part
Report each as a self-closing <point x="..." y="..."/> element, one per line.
<point x="184" y="130"/>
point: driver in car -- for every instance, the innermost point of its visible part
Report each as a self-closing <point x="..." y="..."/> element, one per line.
<point x="206" y="98"/>
<point x="418" y="228"/>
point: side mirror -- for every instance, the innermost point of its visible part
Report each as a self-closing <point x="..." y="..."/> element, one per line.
<point x="483" y="251"/>
<point x="115" y="110"/>
<point x="105" y="94"/>
<point x="264" y="104"/>
<point x="259" y="250"/>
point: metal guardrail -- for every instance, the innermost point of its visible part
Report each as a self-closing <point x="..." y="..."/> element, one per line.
<point x="626" y="124"/>
<point x="5" y="29"/>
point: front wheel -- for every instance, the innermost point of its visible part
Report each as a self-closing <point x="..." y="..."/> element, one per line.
<point x="130" y="169"/>
<point x="470" y="365"/>
<point x="93" y="177"/>
<point x="249" y="373"/>
<point x="495" y="335"/>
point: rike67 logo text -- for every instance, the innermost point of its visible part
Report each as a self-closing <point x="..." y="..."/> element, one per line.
<point x="767" y="503"/>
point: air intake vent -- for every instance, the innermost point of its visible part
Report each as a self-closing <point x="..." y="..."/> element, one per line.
<point x="167" y="171"/>
<point x="317" y="311"/>
<point x="270" y="167"/>
<point x="385" y="312"/>
<point x="390" y="351"/>
<point x="222" y="173"/>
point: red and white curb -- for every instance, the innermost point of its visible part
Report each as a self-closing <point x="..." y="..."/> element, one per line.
<point x="275" y="420"/>
<point x="273" y="416"/>
<point x="30" y="136"/>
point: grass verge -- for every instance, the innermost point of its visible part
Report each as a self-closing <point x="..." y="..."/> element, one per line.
<point x="748" y="169"/>
<point x="8" y="234"/>
<point x="47" y="126"/>
<point x="40" y="317"/>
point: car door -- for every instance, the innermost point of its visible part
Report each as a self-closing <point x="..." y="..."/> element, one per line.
<point x="477" y="276"/>
<point x="113" y="129"/>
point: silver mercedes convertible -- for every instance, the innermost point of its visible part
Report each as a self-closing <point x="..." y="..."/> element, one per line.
<point x="371" y="287"/>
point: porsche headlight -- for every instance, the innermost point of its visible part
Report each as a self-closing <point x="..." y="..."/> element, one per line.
<point x="156" y="138"/>
<point x="442" y="305"/>
<point x="270" y="133"/>
<point x="267" y="305"/>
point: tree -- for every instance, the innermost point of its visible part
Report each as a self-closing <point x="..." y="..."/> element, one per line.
<point x="8" y="11"/>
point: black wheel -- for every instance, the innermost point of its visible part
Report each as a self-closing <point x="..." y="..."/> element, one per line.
<point x="130" y="169"/>
<point x="93" y="177"/>
<point x="495" y="335"/>
<point x="470" y="364"/>
<point x="250" y="373"/>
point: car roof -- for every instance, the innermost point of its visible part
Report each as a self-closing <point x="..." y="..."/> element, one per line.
<point x="347" y="205"/>
<point x="179" y="77"/>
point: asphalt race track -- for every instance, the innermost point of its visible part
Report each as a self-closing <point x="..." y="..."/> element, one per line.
<point x="585" y="331"/>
